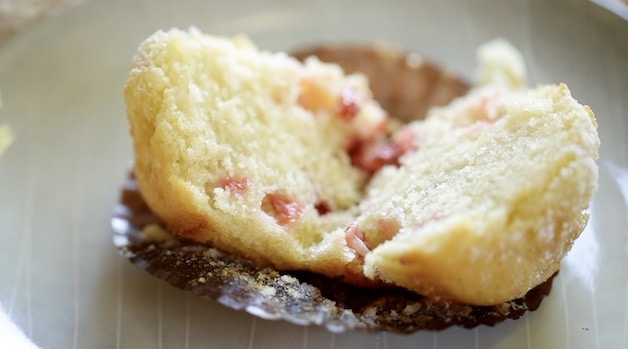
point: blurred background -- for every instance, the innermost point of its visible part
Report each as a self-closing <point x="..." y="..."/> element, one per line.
<point x="16" y="15"/>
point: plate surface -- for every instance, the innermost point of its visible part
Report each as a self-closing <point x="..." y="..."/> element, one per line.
<point x="61" y="279"/>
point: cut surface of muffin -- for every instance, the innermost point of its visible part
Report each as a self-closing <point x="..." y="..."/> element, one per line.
<point x="247" y="150"/>
<point x="295" y="166"/>
<point x="484" y="210"/>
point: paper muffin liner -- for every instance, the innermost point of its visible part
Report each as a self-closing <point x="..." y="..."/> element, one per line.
<point x="407" y="87"/>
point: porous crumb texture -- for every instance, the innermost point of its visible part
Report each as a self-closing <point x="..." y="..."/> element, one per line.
<point x="295" y="166"/>
<point x="246" y="149"/>
<point x="485" y="210"/>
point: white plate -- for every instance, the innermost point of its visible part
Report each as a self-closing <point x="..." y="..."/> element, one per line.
<point x="61" y="279"/>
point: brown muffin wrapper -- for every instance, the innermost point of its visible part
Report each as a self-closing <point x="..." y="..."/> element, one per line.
<point x="405" y="89"/>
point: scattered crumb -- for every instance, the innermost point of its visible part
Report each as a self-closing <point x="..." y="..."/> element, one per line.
<point x="154" y="232"/>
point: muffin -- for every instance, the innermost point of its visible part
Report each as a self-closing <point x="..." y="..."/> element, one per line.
<point x="295" y="167"/>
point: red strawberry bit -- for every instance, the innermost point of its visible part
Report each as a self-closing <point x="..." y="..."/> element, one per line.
<point x="406" y="139"/>
<point x="237" y="186"/>
<point x="486" y="108"/>
<point x="388" y="227"/>
<point x="372" y="155"/>
<point x="355" y="240"/>
<point x="314" y="95"/>
<point x="285" y="210"/>
<point x="349" y="103"/>
<point x="323" y="207"/>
